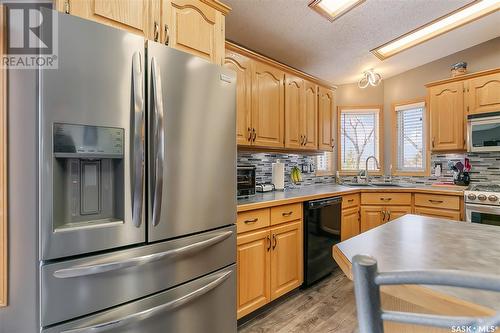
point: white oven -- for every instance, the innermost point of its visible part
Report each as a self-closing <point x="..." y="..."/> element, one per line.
<point x="483" y="132"/>
<point x="482" y="214"/>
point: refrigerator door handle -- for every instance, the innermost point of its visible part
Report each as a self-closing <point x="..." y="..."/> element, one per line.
<point x="148" y="313"/>
<point x="80" y="271"/>
<point x="159" y="142"/>
<point x="137" y="173"/>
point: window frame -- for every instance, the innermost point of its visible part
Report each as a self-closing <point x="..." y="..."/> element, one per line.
<point x="361" y="109"/>
<point x="395" y="171"/>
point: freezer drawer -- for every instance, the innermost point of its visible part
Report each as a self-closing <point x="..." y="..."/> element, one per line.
<point x="78" y="287"/>
<point x="207" y="305"/>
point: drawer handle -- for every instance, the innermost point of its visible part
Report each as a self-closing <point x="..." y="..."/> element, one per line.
<point x="79" y="271"/>
<point x="287" y="214"/>
<point x="386" y="199"/>
<point x="436" y="201"/>
<point x="350" y="200"/>
<point x="251" y="221"/>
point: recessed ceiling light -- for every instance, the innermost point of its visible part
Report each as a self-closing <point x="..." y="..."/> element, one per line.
<point x="333" y="9"/>
<point x="453" y="20"/>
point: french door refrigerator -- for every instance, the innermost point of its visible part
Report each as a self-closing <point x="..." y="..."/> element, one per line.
<point x="136" y="189"/>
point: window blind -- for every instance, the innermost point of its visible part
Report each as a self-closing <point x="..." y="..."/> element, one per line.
<point x="410" y="137"/>
<point x="359" y="138"/>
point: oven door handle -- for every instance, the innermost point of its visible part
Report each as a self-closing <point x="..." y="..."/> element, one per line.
<point x="469" y="208"/>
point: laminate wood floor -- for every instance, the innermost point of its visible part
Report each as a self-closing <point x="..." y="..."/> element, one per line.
<point x="328" y="306"/>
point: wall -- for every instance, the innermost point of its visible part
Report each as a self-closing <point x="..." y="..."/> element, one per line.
<point x="411" y="85"/>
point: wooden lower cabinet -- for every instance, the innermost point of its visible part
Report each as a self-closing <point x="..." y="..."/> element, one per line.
<point x="286" y="258"/>
<point x="394" y="212"/>
<point x="270" y="263"/>
<point x="439" y="213"/>
<point x="253" y="256"/>
<point x="350" y="223"/>
<point x="373" y="216"/>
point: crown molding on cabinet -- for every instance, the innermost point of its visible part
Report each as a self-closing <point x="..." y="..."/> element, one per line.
<point x="252" y="54"/>
<point x="463" y="77"/>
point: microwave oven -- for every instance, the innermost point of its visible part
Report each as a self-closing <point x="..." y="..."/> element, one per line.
<point x="483" y="132"/>
<point x="246" y="180"/>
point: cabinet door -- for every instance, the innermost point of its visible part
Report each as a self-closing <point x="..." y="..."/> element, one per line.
<point x="253" y="264"/>
<point x="484" y="94"/>
<point x="194" y="27"/>
<point x="350" y="223"/>
<point x="268" y="108"/>
<point x="309" y="121"/>
<point x="371" y="217"/>
<point x="394" y="212"/>
<point x="294" y="105"/>
<point x="139" y="17"/>
<point x="325" y="116"/>
<point x="447" y="116"/>
<point x="286" y="258"/>
<point x="243" y="68"/>
<point x="439" y="213"/>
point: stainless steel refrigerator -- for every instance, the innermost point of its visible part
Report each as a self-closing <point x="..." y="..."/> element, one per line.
<point x="124" y="195"/>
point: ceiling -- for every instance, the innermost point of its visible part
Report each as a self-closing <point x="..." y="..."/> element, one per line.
<point x="290" y="32"/>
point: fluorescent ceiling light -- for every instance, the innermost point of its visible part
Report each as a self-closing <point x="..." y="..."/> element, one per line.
<point x="453" y="20"/>
<point x="333" y="9"/>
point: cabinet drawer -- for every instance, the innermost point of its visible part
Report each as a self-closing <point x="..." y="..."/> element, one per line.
<point x="439" y="213"/>
<point x="351" y="200"/>
<point x="437" y="201"/>
<point x="386" y="198"/>
<point x="286" y="213"/>
<point x="254" y="219"/>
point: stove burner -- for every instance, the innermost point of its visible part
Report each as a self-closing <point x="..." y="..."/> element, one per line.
<point x="485" y="188"/>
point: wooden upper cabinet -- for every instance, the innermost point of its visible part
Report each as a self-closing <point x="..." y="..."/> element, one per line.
<point x="195" y="27"/>
<point x="294" y="104"/>
<point x="136" y="16"/>
<point x="309" y="121"/>
<point x="484" y="94"/>
<point x="286" y="258"/>
<point x="253" y="257"/>
<point x="325" y="119"/>
<point x="243" y="67"/>
<point x="268" y="99"/>
<point x="447" y="116"/>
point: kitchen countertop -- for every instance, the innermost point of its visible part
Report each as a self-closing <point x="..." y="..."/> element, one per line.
<point x="311" y="192"/>
<point x="416" y="243"/>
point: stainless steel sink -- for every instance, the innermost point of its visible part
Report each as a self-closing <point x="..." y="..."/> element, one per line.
<point x="386" y="184"/>
<point x="373" y="185"/>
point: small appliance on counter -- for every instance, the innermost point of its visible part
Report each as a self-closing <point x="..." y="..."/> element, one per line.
<point x="246" y="180"/>
<point x="278" y="175"/>
<point x="265" y="187"/>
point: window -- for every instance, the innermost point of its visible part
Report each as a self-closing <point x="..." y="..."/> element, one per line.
<point x="409" y="140"/>
<point x="324" y="164"/>
<point x="359" y="133"/>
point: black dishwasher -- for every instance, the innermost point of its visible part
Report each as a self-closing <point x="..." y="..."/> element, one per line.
<point x="321" y="232"/>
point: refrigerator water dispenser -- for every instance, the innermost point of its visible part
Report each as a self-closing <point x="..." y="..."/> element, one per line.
<point x="88" y="176"/>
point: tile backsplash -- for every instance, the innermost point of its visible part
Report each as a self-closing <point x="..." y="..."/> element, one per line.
<point x="485" y="167"/>
<point x="263" y="162"/>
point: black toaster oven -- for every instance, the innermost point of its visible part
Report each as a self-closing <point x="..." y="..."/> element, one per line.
<point x="246" y="180"/>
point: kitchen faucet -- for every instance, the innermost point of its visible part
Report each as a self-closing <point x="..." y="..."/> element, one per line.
<point x="367" y="177"/>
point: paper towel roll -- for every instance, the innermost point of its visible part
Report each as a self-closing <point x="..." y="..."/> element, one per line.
<point x="278" y="175"/>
